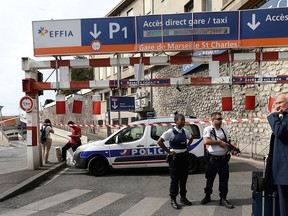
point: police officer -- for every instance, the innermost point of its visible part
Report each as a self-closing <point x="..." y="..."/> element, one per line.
<point x="218" y="157"/>
<point x="178" y="159"/>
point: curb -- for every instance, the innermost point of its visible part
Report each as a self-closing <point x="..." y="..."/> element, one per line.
<point x="31" y="182"/>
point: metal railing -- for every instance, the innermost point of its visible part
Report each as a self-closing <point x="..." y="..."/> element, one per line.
<point x="257" y="147"/>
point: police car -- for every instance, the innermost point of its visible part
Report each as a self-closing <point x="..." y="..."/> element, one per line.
<point x="135" y="146"/>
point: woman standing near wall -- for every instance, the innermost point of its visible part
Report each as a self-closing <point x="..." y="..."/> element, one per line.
<point x="46" y="146"/>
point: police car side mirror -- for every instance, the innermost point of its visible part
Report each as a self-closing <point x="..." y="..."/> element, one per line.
<point x="117" y="139"/>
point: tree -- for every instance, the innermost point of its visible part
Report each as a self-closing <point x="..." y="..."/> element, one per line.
<point x="79" y="74"/>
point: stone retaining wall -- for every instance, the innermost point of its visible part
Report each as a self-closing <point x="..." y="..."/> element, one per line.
<point x="201" y="101"/>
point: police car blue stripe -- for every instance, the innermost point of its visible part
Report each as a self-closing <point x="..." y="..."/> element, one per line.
<point x="133" y="152"/>
<point x="191" y="147"/>
<point x="86" y="154"/>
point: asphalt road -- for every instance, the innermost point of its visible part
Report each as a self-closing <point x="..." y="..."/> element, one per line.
<point x="130" y="192"/>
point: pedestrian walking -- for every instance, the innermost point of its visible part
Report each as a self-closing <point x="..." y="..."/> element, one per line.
<point x="277" y="161"/>
<point x="178" y="159"/>
<point x="218" y="156"/>
<point x="74" y="142"/>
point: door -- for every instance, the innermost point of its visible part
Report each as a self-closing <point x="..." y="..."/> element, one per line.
<point x="156" y="157"/>
<point x="127" y="148"/>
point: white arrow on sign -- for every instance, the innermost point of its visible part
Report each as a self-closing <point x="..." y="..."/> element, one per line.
<point x="114" y="106"/>
<point x="95" y="34"/>
<point x="253" y="25"/>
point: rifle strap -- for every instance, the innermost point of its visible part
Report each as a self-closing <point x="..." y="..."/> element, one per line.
<point x="214" y="133"/>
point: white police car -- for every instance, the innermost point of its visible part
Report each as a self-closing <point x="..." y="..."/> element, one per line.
<point x="136" y="147"/>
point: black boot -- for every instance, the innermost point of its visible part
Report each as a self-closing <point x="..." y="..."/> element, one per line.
<point x="224" y="202"/>
<point x="174" y="204"/>
<point x="185" y="201"/>
<point x="206" y="199"/>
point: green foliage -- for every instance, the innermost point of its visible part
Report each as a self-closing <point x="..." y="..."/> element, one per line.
<point x="79" y="74"/>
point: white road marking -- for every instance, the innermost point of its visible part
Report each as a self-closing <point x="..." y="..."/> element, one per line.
<point x="95" y="204"/>
<point x="148" y="206"/>
<point x="55" y="200"/>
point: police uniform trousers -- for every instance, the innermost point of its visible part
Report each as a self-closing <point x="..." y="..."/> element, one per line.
<point x="179" y="174"/>
<point x="217" y="165"/>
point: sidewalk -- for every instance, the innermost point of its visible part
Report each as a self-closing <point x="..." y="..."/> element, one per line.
<point x="16" y="182"/>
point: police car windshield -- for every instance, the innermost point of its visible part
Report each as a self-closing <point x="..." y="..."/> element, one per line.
<point x="128" y="134"/>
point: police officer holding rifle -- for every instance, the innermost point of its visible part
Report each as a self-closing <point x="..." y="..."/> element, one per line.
<point x="178" y="159"/>
<point x="218" y="156"/>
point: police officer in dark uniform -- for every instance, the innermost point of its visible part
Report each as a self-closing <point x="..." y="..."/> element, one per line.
<point x="218" y="157"/>
<point x="178" y="159"/>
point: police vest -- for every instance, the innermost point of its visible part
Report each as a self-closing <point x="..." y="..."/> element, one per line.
<point x="179" y="141"/>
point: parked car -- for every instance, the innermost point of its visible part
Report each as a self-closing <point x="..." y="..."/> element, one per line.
<point x="135" y="146"/>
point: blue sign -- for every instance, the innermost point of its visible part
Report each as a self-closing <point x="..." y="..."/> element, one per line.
<point x="210" y="30"/>
<point x="149" y="29"/>
<point x="165" y="32"/>
<point x="186" y="68"/>
<point x="260" y="28"/>
<point x="177" y="27"/>
<point x="102" y="34"/>
<point x="118" y="103"/>
<point x="216" y="30"/>
<point x="149" y="82"/>
<point x="277" y="79"/>
<point x="245" y="79"/>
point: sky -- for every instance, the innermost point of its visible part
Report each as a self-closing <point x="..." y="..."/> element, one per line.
<point x="16" y="40"/>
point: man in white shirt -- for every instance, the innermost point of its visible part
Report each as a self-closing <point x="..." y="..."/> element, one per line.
<point x="218" y="157"/>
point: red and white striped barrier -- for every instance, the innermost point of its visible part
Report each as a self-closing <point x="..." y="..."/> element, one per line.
<point x="160" y="124"/>
<point x="30" y="64"/>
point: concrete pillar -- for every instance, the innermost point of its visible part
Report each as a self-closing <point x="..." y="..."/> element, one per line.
<point x="33" y="157"/>
<point x="33" y="150"/>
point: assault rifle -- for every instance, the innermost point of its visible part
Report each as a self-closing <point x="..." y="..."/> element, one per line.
<point x="230" y="146"/>
<point x="228" y="142"/>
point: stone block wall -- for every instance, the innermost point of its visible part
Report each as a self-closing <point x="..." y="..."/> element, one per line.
<point x="201" y="101"/>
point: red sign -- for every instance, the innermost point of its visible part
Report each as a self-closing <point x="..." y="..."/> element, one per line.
<point x="26" y="104"/>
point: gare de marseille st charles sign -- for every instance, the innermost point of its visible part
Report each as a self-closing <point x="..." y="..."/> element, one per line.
<point x="163" y="32"/>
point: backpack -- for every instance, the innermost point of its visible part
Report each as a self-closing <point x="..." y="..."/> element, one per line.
<point x="43" y="135"/>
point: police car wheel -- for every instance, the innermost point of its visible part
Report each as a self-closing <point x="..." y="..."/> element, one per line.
<point x="193" y="164"/>
<point x="98" y="166"/>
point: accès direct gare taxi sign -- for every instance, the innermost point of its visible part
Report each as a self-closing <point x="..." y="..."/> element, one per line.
<point x="164" y="32"/>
